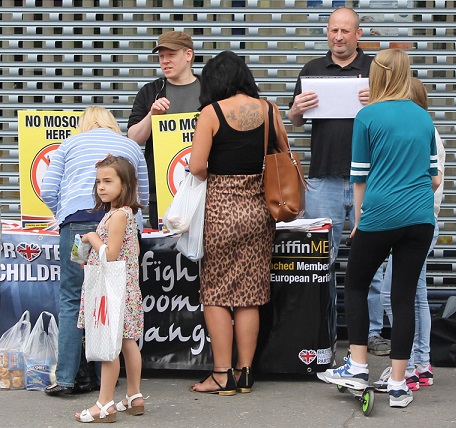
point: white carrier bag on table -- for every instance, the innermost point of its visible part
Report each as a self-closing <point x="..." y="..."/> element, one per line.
<point x="104" y="308"/>
<point x="191" y="243"/>
<point x="185" y="215"/>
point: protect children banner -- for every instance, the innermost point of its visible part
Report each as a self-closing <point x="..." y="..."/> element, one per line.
<point x="29" y="273"/>
<point x="40" y="134"/>
<point x="173" y="135"/>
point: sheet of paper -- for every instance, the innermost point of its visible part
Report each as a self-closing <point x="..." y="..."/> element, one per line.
<point x="337" y="96"/>
<point x="304" y="224"/>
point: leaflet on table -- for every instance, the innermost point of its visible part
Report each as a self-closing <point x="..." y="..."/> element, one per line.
<point x="313" y="224"/>
<point x="337" y="96"/>
<point x="152" y="233"/>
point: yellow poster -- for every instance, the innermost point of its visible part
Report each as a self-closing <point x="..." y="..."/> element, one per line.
<point x="40" y="134"/>
<point x="172" y="134"/>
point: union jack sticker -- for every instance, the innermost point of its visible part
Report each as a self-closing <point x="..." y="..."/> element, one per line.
<point x="28" y="251"/>
<point x="307" y="356"/>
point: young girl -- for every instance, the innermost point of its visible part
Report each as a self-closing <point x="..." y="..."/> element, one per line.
<point x="115" y="192"/>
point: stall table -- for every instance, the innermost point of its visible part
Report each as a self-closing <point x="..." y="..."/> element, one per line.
<point x="295" y="334"/>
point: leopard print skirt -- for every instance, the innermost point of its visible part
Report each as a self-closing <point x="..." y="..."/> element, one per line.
<point x="238" y="239"/>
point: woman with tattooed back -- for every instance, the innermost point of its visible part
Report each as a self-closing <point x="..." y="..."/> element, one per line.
<point x="228" y="150"/>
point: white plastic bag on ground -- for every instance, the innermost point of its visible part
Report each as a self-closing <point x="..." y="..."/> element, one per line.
<point x="12" y="363"/>
<point x="41" y="352"/>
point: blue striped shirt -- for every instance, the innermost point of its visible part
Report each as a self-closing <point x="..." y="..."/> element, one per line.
<point x="68" y="183"/>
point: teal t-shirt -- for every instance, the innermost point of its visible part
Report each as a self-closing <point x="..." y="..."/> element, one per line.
<point x="394" y="152"/>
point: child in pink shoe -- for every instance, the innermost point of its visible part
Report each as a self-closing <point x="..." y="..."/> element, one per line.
<point x="419" y="370"/>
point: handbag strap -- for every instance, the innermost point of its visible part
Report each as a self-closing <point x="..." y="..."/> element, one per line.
<point x="265" y="105"/>
<point x="280" y="132"/>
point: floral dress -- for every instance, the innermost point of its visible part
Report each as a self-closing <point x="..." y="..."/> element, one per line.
<point x="134" y="315"/>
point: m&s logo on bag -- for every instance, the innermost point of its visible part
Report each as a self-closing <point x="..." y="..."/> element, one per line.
<point x="100" y="314"/>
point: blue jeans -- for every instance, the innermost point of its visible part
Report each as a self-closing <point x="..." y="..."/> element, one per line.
<point x="71" y="279"/>
<point x="332" y="197"/>
<point x="374" y="301"/>
<point x="421" y="342"/>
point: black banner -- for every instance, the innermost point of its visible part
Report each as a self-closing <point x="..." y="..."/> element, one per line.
<point x="295" y="334"/>
<point x="174" y="330"/>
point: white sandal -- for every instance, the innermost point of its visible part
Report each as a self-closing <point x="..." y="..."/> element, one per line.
<point x="131" y="410"/>
<point x="104" y="416"/>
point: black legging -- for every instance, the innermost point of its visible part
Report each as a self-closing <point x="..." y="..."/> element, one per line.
<point x="409" y="247"/>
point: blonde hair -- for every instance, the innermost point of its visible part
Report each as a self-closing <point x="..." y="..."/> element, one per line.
<point x="390" y="76"/>
<point x="418" y="93"/>
<point x="98" y="117"/>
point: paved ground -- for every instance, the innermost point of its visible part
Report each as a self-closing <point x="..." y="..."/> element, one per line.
<point x="276" y="401"/>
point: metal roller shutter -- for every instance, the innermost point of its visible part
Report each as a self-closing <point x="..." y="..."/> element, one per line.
<point x="70" y="54"/>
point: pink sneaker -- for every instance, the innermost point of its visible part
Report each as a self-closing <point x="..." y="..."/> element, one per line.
<point x="413" y="382"/>
<point x="426" y="378"/>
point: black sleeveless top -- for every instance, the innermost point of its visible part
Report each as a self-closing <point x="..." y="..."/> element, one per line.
<point x="236" y="152"/>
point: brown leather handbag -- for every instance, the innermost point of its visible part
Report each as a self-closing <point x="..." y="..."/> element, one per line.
<point x="284" y="183"/>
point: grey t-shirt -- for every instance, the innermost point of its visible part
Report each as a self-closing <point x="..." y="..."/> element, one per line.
<point x="183" y="98"/>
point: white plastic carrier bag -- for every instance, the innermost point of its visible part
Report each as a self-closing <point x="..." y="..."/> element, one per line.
<point x="41" y="353"/>
<point x="12" y="345"/>
<point x="191" y="243"/>
<point x="180" y="212"/>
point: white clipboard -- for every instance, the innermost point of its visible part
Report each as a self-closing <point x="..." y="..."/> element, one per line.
<point x="337" y="96"/>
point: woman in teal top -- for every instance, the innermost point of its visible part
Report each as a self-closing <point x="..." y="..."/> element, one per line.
<point x="394" y="171"/>
<point x="388" y="154"/>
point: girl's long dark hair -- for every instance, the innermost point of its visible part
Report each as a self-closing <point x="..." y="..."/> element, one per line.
<point x="226" y="75"/>
<point x="127" y="174"/>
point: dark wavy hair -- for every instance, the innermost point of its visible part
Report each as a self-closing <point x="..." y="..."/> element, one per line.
<point x="127" y="174"/>
<point x="226" y="75"/>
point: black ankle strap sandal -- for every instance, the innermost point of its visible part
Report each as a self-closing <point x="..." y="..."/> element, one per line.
<point x="228" y="389"/>
<point x="245" y="381"/>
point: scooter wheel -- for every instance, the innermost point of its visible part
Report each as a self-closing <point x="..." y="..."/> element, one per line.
<point x="367" y="402"/>
<point x="341" y="388"/>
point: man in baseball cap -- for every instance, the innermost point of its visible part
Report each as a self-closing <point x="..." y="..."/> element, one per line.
<point x="177" y="92"/>
<point x="174" y="40"/>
